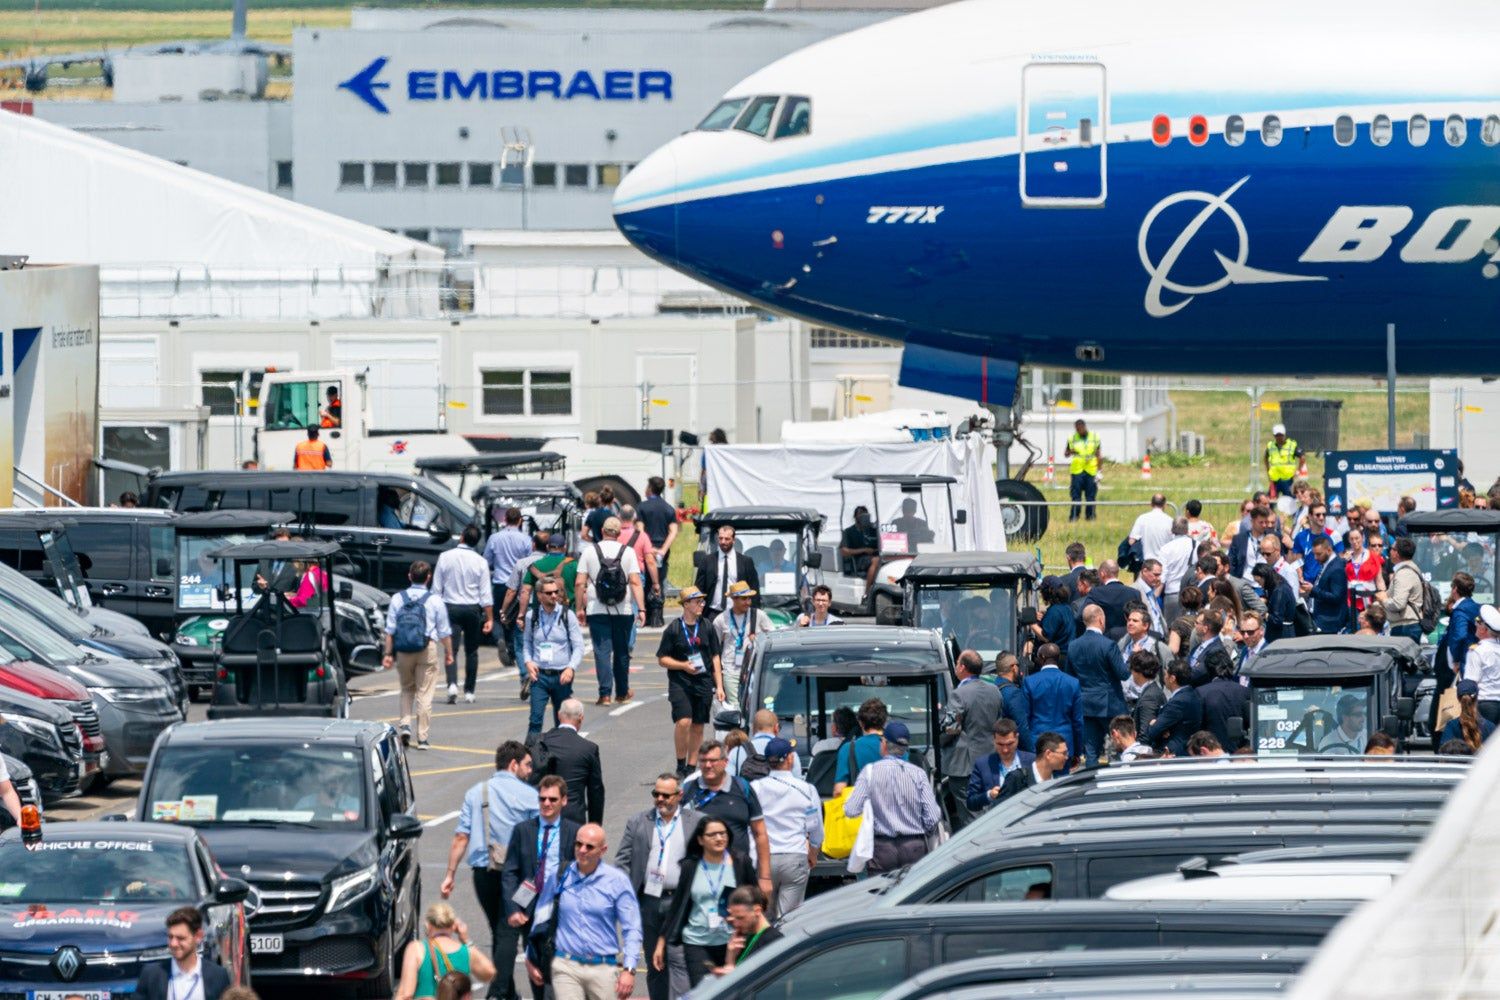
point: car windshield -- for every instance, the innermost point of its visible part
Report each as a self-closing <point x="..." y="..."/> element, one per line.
<point x="103" y="869"/>
<point x="775" y="552"/>
<point x="1440" y="556"/>
<point x="29" y="639"/>
<point x="1321" y="718"/>
<point x="199" y="578"/>
<point x="457" y="506"/>
<point x="546" y="511"/>
<point x="18" y="592"/>
<point x="981" y="617"/>
<point x="903" y="520"/>
<point x="258" y="783"/>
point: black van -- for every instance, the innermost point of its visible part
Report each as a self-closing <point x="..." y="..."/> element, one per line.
<point x="382" y="521"/>
<point x="319" y="816"/>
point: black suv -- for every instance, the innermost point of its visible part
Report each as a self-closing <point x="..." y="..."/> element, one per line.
<point x="47" y="738"/>
<point x="318" y="815"/>
<point x="381" y="521"/>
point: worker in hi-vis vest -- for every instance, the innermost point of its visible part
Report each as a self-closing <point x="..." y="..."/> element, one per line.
<point x="1282" y="455"/>
<point x="1083" y="453"/>
<point x="312" y="454"/>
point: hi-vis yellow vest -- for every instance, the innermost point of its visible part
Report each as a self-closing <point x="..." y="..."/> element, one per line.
<point x="1085" y="454"/>
<point x="1283" y="459"/>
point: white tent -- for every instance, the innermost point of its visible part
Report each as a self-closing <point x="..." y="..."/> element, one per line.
<point x="173" y="241"/>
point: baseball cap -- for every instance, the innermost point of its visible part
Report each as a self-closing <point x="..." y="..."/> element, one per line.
<point x="778" y="749"/>
<point x="690" y="593"/>
<point x="895" y="732"/>
<point x="1278" y="429"/>
<point x="1490" y="616"/>
<point x="1468" y="689"/>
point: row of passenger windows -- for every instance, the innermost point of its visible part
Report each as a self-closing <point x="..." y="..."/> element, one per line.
<point x="1417" y="130"/>
<point x="383" y="174"/>
<point x="792" y="116"/>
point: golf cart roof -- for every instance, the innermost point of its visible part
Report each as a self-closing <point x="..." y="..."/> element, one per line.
<point x="872" y="668"/>
<point x="754" y="517"/>
<point x="549" y="488"/>
<point x="495" y="463"/>
<point x="1454" y="519"/>
<point x="960" y="567"/>
<point x="895" y="478"/>
<point x="214" y="521"/>
<point x="1315" y="656"/>
<point x="258" y="551"/>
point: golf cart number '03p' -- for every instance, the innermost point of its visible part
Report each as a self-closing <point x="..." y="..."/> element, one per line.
<point x="923" y="521"/>
<point x="277" y="654"/>
<point x="782" y="542"/>
<point x="974" y="599"/>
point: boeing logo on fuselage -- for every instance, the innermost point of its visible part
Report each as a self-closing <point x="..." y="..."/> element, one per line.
<point x="511" y="85"/>
<point x="1354" y="234"/>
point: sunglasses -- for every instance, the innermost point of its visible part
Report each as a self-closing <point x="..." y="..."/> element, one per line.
<point x="549" y="593"/>
<point x="664" y="795"/>
<point x="549" y="798"/>
<point x="589" y="847"/>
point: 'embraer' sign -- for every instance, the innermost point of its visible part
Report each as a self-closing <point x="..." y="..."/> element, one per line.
<point x="510" y="85"/>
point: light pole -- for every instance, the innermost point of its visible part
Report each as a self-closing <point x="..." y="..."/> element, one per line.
<point x="516" y="144"/>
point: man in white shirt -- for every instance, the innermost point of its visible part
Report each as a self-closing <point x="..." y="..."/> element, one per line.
<point x="1150" y="584"/>
<point x="1176" y="557"/>
<point x="416" y="669"/>
<point x="1482" y="665"/>
<point x="794" y="825"/>
<point x="461" y="580"/>
<point x="1153" y="529"/>
<point x="187" y="976"/>
<point x="737" y="630"/>
<point x="1270" y="552"/>
<point x="609" y="622"/>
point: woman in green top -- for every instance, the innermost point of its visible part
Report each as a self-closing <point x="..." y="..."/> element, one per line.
<point x="445" y="949"/>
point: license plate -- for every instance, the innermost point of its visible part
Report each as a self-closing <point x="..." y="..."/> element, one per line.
<point x="265" y="944"/>
<point x="64" y="994"/>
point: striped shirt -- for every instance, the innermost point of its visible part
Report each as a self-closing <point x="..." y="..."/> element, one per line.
<point x="900" y="797"/>
<point x="461" y="576"/>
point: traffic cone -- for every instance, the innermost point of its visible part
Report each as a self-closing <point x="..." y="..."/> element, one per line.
<point x="1302" y="467"/>
<point x="1146" y="466"/>
<point x="1050" y="478"/>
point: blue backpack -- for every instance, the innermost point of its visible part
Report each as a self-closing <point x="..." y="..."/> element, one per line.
<point x="411" y="625"/>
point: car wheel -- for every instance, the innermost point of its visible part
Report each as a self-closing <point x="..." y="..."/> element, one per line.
<point x="99" y="782"/>
<point x="384" y="984"/>
<point x="1024" y="521"/>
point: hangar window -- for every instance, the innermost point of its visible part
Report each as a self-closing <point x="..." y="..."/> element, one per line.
<point x="1489" y="132"/>
<point x="1234" y="130"/>
<point x="511" y="175"/>
<point x="482" y="175"/>
<point x="415" y="175"/>
<point x="796" y="118"/>
<point x="576" y="175"/>
<point x="1270" y="130"/>
<point x="1380" y="130"/>
<point x="523" y="392"/>
<point x="544" y="175"/>
<point x="756" y="118"/>
<point x="383" y="174"/>
<point x="722" y="116"/>
<point x="450" y="174"/>
<point x="1417" y="130"/>
<point x="221" y="387"/>
<point x="420" y="235"/>
<point x="283" y="173"/>
<point x="1343" y="130"/>
<point x="351" y="175"/>
<point x="1456" y="130"/>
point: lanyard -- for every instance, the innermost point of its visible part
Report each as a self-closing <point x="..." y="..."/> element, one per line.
<point x="192" y="985"/>
<point x="716" y="885"/>
<point x="739" y="629"/>
<point x="562" y="882"/>
<point x="693" y="637"/>
<point x="544" y="627"/>
<point x="751" y="943"/>
<point x="661" y="841"/>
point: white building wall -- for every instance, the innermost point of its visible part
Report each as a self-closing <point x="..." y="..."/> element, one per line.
<point x="1464" y="414"/>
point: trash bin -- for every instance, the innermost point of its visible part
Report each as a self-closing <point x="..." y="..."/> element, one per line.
<point x="1312" y="423"/>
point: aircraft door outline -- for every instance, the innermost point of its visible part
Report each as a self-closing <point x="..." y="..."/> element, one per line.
<point x="1062" y="132"/>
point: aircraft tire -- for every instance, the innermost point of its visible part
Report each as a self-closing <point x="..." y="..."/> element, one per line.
<point x="1026" y="523"/>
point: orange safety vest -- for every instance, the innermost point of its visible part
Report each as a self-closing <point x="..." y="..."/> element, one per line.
<point x="310" y="455"/>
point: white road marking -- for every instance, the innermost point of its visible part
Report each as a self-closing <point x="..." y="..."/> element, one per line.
<point x="440" y="820"/>
<point x="625" y="708"/>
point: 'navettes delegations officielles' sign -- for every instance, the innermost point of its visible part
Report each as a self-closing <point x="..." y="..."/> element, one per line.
<point x="434" y="85"/>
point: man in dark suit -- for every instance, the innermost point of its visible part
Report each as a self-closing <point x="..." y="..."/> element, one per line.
<point x="719" y="569"/>
<point x="563" y="752"/>
<point x="969" y="724"/>
<point x="1054" y="698"/>
<point x="1114" y="598"/>
<point x="539" y="849"/>
<point x="1017" y="707"/>
<point x="651" y="853"/>
<point x="1224" y="698"/>
<point x="187" y="972"/>
<point x="1330" y="591"/>
<point x="991" y="770"/>
<point x="1100" y="670"/>
<point x="1180" y="717"/>
<point x="1077" y="557"/>
<point x="1051" y="760"/>
<point x="1145" y="674"/>
<point x="1209" y="629"/>
<point x="1244" y="553"/>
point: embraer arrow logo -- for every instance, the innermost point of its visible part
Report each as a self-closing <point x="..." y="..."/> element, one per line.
<point x="1236" y="271"/>
<point x="363" y="85"/>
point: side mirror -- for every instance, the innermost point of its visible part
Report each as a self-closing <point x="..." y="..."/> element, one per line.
<point x="1235" y="727"/>
<point x="163" y="567"/>
<point x="730" y="718"/>
<point x="225" y="593"/>
<point x="814" y="560"/>
<point x="345" y="591"/>
<point x="405" y="826"/>
<point x="961" y="517"/>
<point x="231" y="890"/>
<point x="888" y="616"/>
<point x="1406" y="709"/>
<point x="699" y="559"/>
<point x="438" y="533"/>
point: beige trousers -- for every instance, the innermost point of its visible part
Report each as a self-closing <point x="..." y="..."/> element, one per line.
<point x="417" y="673"/>
<point x="575" y="981"/>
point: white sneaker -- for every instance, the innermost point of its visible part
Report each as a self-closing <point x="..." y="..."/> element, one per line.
<point x="452" y="694"/>
<point x="469" y="697"/>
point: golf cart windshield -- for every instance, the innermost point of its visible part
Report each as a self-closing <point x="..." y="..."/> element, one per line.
<point x="1439" y="556"/>
<point x="546" y="511"/>
<point x="62" y="562"/>
<point x="1323" y="717"/>
<point x="776" y="553"/>
<point x="979" y="615"/>
<point x="907" y="514"/>
<point x="201" y="579"/>
<point x="791" y="697"/>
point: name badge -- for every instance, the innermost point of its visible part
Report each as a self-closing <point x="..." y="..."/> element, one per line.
<point x="656" y="882"/>
<point x="524" y="895"/>
<point x="696" y="661"/>
<point x="543" y="914"/>
<point x="715" y="920"/>
<point x="544" y="650"/>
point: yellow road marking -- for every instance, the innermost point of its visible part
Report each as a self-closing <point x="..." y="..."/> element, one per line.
<point x="451" y="770"/>
<point x="483" y="753"/>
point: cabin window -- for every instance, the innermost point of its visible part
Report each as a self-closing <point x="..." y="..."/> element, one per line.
<point x="796" y="118"/>
<point x="1489" y="132"/>
<point x="1270" y="130"/>
<point x="1234" y="130"/>
<point x="1343" y="130"/>
<point x="1456" y="130"/>
<point x="722" y="116"/>
<point x="756" y="118"/>
<point x="1417" y="130"/>
<point x="1380" y="130"/>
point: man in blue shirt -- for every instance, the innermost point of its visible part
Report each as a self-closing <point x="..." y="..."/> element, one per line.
<point x="598" y="939"/>
<point x="872" y="716"/>
<point x="1317" y="527"/>
<point x="1055" y="699"/>
<point x="553" y="645"/>
<point x="491" y="811"/>
<point x="504" y="549"/>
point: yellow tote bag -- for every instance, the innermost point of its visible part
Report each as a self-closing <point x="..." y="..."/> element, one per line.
<point x="840" y="831"/>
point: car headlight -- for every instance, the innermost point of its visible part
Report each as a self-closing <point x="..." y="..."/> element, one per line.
<point x="36" y="727"/>
<point x="348" y="888"/>
<point x="129" y="696"/>
<point x="184" y="640"/>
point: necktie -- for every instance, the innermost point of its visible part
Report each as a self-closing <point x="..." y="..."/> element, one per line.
<point x="541" y="861"/>
<point x="724" y="579"/>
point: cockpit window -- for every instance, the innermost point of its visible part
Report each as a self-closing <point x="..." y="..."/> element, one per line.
<point x="756" y="119"/>
<point x="796" y="118"/>
<point x="723" y="116"/>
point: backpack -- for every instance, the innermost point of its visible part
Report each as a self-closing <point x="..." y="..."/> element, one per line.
<point x="411" y="625"/>
<point x="1430" y="606"/>
<point x="609" y="585"/>
<point x="755" y="766"/>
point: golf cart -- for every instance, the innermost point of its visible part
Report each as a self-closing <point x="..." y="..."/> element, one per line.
<point x="974" y="598"/>
<point x="277" y="654"/>
<point x="1323" y="694"/>
<point x="782" y="543"/>
<point x="1449" y="541"/>
<point x="546" y="504"/>
<point x="454" y="471"/>
<point x="923" y="521"/>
